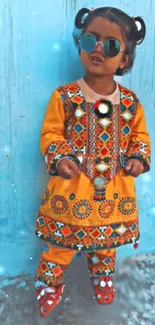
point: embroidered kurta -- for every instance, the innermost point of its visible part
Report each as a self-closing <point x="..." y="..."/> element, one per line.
<point x="97" y="209"/>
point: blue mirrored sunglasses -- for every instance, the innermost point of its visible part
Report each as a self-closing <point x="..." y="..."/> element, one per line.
<point x="110" y="48"/>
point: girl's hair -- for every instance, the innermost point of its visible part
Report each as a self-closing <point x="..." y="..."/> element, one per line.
<point x="134" y="29"/>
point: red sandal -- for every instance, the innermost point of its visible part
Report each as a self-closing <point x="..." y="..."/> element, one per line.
<point x="104" y="289"/>
<point x="48" y="298"/>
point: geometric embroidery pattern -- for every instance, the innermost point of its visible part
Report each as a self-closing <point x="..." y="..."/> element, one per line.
<point x="53" y="274"/>
<point x="97" y="137"/>
<point x="50" y="273"/>
<point x="140" y="150"/>
<point x="101" y="264"/>
<point x="87" y="238"/>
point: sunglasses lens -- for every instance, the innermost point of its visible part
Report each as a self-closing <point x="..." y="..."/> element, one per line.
<point x="111" y="48"/>
<point x="88" y="43"/>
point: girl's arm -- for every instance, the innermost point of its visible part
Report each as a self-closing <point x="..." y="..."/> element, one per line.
<point x="139" y="145"/>
<point x="53" y="144"/>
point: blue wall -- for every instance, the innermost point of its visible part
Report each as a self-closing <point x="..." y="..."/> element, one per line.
<point x="38" y="54"/>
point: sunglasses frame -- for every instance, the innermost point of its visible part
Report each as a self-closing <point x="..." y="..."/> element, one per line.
<point x="102" y="43"/>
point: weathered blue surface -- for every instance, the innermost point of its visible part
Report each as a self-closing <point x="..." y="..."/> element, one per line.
<point x="38" y="54"/>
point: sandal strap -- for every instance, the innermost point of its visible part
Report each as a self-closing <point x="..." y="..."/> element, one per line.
<point x="48" y="298"/>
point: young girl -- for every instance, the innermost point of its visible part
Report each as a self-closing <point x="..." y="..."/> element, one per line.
<point x="95" y="142"/>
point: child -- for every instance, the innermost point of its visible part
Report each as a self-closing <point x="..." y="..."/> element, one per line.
<point x="95" y="142"/>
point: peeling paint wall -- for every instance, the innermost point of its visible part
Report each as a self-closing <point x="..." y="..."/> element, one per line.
<point x="38" y="54"/>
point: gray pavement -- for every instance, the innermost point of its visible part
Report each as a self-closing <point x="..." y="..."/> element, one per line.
<point x="134" y="305"/>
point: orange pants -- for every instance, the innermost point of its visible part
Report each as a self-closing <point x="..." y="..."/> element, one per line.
<point x="54" y="262"/>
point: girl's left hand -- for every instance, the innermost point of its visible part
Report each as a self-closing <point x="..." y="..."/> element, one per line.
<point x="134" y="167"/>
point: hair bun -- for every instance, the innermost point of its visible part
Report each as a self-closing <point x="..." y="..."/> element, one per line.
<point x="80" y="18"/>
<point x="141" y="29"/>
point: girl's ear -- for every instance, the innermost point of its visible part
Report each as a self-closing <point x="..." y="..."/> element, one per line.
<point x="124" y="62"/>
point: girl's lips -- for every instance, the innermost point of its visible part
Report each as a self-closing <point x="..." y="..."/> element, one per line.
<point x="96" y="58"/>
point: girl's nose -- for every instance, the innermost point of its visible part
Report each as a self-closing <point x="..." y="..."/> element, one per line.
<point x="98" y="47"/>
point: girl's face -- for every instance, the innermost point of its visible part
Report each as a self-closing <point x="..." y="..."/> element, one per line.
<point x="103" y="29"/>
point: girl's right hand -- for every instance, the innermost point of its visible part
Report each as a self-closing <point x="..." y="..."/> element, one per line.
<point x="67" y="169"/>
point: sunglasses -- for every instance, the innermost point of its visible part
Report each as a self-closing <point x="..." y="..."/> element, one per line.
<point x="110" y="48"/>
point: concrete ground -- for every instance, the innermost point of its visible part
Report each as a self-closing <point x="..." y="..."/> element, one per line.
<point x="134" y="305"/>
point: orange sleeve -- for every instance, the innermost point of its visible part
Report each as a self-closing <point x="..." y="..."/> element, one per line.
<point x="139" y="144"/>
<point x="53" y="143"/>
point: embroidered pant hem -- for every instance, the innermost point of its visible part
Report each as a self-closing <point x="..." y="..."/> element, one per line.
<point x="54" y="263"/>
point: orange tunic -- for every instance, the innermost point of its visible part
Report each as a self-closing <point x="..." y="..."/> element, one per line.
<point x="97" y="209"/>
